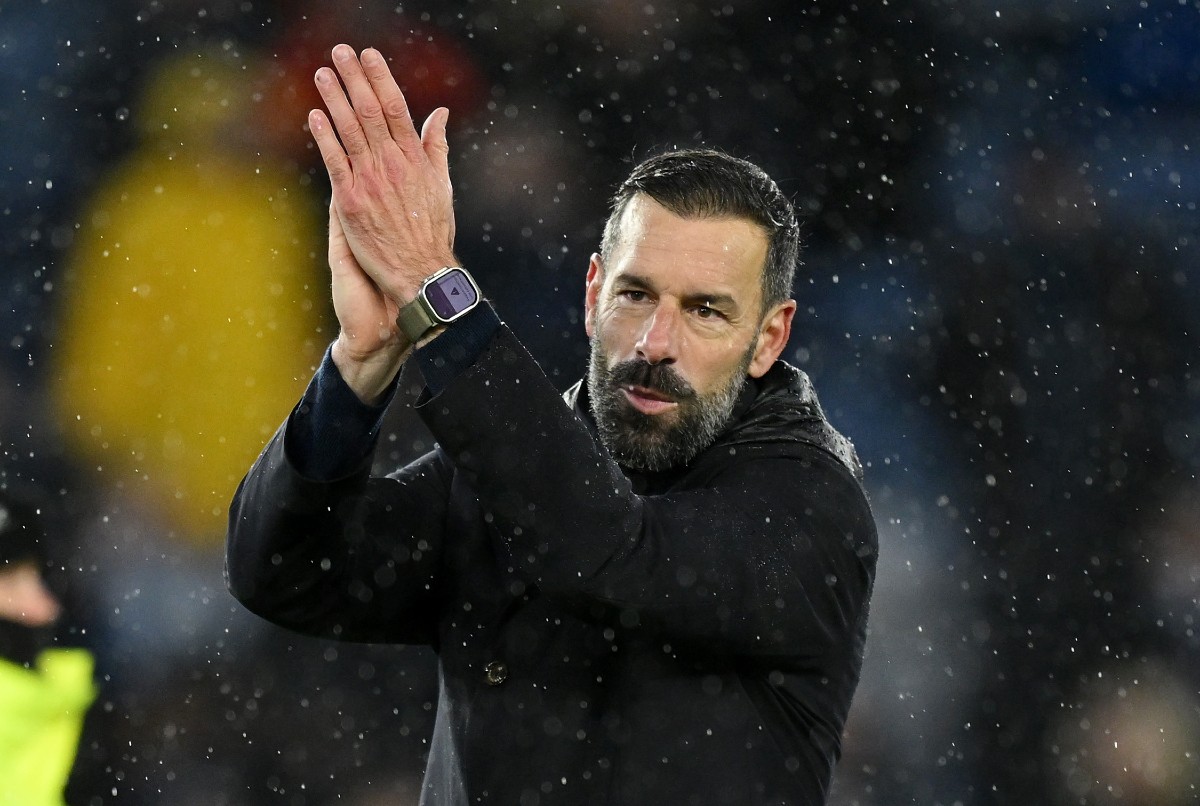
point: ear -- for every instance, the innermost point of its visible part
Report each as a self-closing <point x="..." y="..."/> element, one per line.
<point x="773" y="336"/>
<point x="595" y="281"/>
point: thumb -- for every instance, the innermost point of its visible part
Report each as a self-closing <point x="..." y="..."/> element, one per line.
<point x="433" y="138"/>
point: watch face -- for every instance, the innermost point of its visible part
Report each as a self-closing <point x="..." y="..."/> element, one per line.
<point x="451" y="294"/>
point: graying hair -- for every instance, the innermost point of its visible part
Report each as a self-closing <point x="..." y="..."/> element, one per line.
<point x="706" y="183"/>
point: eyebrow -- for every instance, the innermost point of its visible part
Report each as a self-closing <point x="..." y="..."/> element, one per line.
<point x="724" y="302"/>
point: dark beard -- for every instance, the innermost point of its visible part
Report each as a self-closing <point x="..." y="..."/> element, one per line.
<point x="644" y="442"/>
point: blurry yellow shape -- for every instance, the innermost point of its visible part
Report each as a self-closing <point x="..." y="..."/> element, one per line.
<point x="194" y="302"/>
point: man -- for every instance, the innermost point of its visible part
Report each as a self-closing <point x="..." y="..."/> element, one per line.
<point x="656" y="594"/>
<point x="44" y="691"/>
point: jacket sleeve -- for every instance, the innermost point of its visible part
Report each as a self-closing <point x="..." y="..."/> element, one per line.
<point x="775" y="554"/>
<point x="331" y="558"/>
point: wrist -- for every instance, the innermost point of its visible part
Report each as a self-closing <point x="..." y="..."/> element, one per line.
<point x="369" y="375"/>
<point x="414" y="279"/>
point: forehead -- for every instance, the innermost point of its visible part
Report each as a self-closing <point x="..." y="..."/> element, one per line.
<point x="729" y="251"/>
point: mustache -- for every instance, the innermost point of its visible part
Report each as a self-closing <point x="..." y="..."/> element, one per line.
<point x="661" y="378"/>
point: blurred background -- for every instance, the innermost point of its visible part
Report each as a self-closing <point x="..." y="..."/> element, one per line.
<point x="999" y="305"/>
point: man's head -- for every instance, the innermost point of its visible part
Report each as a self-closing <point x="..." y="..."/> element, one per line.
<point x="689" y="295"/>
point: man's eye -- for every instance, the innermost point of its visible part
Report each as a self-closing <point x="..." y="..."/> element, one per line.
<point x="705" y="312"/>
<point x="633" y="295"/>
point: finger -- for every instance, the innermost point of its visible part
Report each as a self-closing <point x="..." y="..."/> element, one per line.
<point x="337" y="235"/>
<point x="341" y="256"/>
<point x="332" y="154"/>
<point x="362" y="94"/>
<point x="434" y="141"/>
<point x="395" y="108"/>
<point x="349" y="129"/>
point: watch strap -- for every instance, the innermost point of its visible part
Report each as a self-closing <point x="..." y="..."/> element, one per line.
<point x="415" y="319"/>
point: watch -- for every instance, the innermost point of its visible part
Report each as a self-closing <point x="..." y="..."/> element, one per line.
<point x="442" y="298"/>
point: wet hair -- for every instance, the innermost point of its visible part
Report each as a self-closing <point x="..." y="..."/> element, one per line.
<point x="706" y="183"/>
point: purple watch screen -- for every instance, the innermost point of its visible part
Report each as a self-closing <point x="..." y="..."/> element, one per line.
<point x="450" y="295"/>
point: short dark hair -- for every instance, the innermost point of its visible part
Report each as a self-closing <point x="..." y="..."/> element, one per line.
<point x="706" y="183"/>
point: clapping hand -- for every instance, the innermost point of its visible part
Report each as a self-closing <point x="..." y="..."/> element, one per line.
<point x="392" y="214"/>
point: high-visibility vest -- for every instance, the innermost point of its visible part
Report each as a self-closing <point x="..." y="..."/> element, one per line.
<point x="41" y="716"/>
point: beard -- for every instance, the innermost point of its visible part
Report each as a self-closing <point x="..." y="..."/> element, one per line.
<point x="658" y="442"/>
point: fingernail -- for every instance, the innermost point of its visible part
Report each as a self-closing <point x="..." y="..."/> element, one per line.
<point x="371" y="56"/>
<point x="342" y="53"/>
<point x="324" y="75"/>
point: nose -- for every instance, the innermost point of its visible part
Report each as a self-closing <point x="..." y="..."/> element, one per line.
<point x="659" y="340"/>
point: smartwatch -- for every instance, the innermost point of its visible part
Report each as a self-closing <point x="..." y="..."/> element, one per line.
<point x="442" y="298"/>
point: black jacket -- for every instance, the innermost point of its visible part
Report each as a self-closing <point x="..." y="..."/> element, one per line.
<point x="688" y="637"/>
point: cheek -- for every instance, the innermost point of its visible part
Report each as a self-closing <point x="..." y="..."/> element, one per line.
<point x="716" y="366"/>
<point x="600" y="339"/>
<point x="612" y="326"/>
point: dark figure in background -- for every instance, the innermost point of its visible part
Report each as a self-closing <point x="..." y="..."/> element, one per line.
<point x="655" y="593"/>
<point x="45" y="691"/>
